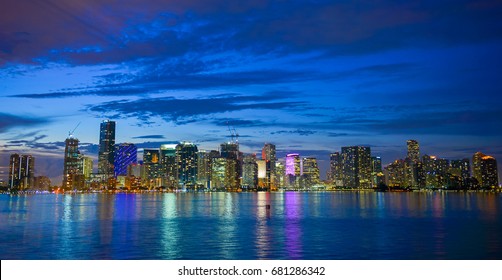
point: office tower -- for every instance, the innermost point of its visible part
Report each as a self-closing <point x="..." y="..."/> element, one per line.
<point x="280" y="173"/>
<point x="310" y="175"/>
<point x="106" y="155"/>
<point x="435" y="171"/>
<point x="484" y="169"/>
<point x="126" y="154"/>
<point x="186" y="161"/>
<point x="136" y="176"/>
<point x="413" y="150"/>
<point x="169" y="169"/>
<point x="230" y="151"/>
<point x="204" y="159"/>
<point x="21" y="172"/>
<point x="218" y="172"/>
<point x="153" y="167"/>
<point x="461" y="168"/>
<point x="293" y="165"/>
<point x="356" y="169"/>
<point x="268" y="154"/>
<point x="394" y="174"/>
<point x="293" y="170"/>
<point x="72" y="165"/>
<point x="86" y="166"/>
<point x="250" y="172"/>
<point x="376" y="172"/>
<point x="335" y="169"/>
<point x="263" y="169"/>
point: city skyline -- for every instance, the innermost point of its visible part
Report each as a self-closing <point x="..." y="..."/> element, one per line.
<point x="309" y="77"/>
<point x="186" y="165"/>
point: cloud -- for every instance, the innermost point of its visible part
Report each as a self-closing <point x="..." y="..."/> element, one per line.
<point x="181" y="111"/>
<point x="8" y="121"/>
<point x="156" y="136"/>
<point x="302" y="132"/>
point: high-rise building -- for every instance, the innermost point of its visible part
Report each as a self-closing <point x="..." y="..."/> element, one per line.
<point x="413" y="150"/>
<point x="435" y="171"/>
<point x="230" y="151"/>
<point x="394" y="174"/>
<point x="186" y="160"/>
<point x="126" y="154"/>
<point x="204" y="160"/>
<point x="72" y="176"/>
<point x="293" y="170"/>
<point x="21" y="172"/>
<point x="169" y="169"/>
<point x="310" y="175"/>
<point x="153" y="167"/>
<point x="249" y="172"/>
<point x="268" y="154"/>
<point x="356" y="169"/>
<point x="461" y="168"/>
<point x="484" y="169"/>
<point x="218" y="173"/>
<point x="376" y="171"/>
<point x="106" y="155"/>
<point x="335" y="169"/>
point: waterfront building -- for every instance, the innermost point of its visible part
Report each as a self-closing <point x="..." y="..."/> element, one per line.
<point x="73" y="179"/>
<point x="356" y="168"/>
<point x="394" y="174"/>
<point x="268" y="154"/>
<point x="106" y="155"/>
<point x="186" y="161"/>
<point x="335" y="169"/>
<point x="413" y="150"/>
<point x="153" y="168"/>
<point x="168" y="166"/>
<point x="293" y="170"/>
<point x="310" y="176"/>
<point x="251" y="172"/>
<point x="127" y="154"/>
<point x="461" y="168"/>
<point x="485" y="170"/>
<point x="218" y="172"/>
<point x="435" y="171"/>
<point x="21" y="172"/>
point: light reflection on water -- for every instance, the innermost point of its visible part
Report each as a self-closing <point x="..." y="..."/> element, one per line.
<point x="338" y="225"/>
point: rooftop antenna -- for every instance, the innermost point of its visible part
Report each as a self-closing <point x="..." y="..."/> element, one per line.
<point x="231" y="132"/>
<point x="70" y="133"/>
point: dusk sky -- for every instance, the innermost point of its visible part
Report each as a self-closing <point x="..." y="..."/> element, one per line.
<point x="308" y="76"/>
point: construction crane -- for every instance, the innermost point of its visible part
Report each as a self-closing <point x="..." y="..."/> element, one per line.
<point x="233" y="133"/>
<point x="70" y="133"/>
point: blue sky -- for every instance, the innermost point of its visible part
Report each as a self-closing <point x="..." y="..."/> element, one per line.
<point x="309" y="76"/>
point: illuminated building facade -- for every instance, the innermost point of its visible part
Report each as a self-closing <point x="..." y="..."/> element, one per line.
<point x="435" y="171"/>
<point x="186" y="161"/>
<point x="310" y="175"/>
<point x="413" y="150"/>
<point x="127" y="154"/>
<point x="153" y="168"/>
<point x="335" y="169"/>
<point x="485" y="170"/>
<point x="21" y="172"/>
<point x="356" y="169"/>
<point x="268" y="154"/>
<point x="250" y="172"/>
<point x="73" y="179"/>
<point x="106" y="155"/>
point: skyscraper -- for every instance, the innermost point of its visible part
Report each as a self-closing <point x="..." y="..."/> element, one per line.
<point x="106" y="156"/>
<point x="356" y="169"/>
<point x="249" y="172"/>
<point x="169" y="168"/>
<point x="127" y="153"/>
<point x="484" y="169"/>
<point x="335" y="169"/>
<point x="21" y="172"/>
<point x="71" y="172"/>
<point x="153" y="168"/>
<point x="268" y="154"/>
<point x="186" y="160"/>
<point x="413" y="150"/>
<point x="310" y="172"/>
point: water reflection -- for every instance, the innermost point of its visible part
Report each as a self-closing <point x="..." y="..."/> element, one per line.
<point x="239" y="226"/>
<point x="293" y="232"/>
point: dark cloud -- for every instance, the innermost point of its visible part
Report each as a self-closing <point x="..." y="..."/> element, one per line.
<point x="104" y="31"/>
<point x="302" y="132"/>
<point x="182" y="111"/>
<point x="156" y="136"/>
<point x="8" y="121"/>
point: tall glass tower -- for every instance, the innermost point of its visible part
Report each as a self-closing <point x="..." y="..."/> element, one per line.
<point x="106" y="156"/>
